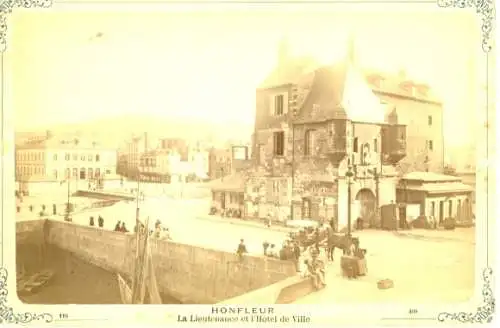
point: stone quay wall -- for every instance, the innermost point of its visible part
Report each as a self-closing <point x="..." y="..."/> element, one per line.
<point x="188" y="273"/>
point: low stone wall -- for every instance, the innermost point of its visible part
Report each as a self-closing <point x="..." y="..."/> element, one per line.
<point x="30" y="244"/>
<point x="30" y="231"/>
<point x="188" y="273"/>
<point x="283" y="292"/>
<point x="107" y="195"/>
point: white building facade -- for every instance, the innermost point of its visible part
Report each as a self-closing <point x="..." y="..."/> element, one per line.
<point x="55" y="159"/>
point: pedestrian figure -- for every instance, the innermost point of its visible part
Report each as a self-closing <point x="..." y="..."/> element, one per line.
<point x="166" y="234"/>
<point x="117" y="226"/>
<point x="296" y="253"/>
<point x="317" y="238"/>
<point x="242" y="249"/>
<point x="91" y="221"/>
<point x="265" y="246"/>
<point x="359" y="223"/>
<point x="272" y="252"/>
<point x="100" y="221"/>
<point x="54" y="209"/>
<point x="157" y="232"/>
<point x="123" y="229"/>
<point x="269" y="220"/>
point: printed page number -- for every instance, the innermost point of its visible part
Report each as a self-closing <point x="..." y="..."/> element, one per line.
<point x="413" y="311"/>
<point x="63" y="316"/>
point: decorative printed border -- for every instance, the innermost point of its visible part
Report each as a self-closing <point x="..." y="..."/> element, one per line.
<point x="484" y="8"/>
<point x="6" y="7"/>
<point x="7" y="314"/>
<point x="484" y="314"/>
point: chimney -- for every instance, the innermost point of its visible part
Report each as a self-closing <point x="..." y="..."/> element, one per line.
<point x="351" y="49"/>
<point x="283" y="50"/>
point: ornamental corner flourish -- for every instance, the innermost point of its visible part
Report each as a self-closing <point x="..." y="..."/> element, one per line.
<point x="7" y="315"/>
<point x="484" y="313"/>
<point x="484" y="8"/>
<point x="6" y="7"/>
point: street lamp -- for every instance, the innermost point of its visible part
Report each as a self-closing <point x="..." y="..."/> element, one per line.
<point x="67" y="212"/>
<point x="349" y="174"/>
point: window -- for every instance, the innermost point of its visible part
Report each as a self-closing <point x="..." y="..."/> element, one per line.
<point x="278" y="105"/>
<point x="433" y="209"/>
<point x="306" y="208"/>
<point x="82" y="157"/>
<point x="97" y="158"/>
<point x="55" y="174"/>
<point x="355" y="145"/>
<point x="90" y="158"/>
<point x="66" y="156"/>
<point x="375" y="145"/>
<point x="55" y="157"/>
<point x="309" y="143"/>
<point x="82" y="173"/>
<point x="67" y="174"/>
<point x="429" y="120"/>
<point x="108" y="171"/>
<point x="75" y="172"/>
<point x="75" y="157"/>
<point x="90" y="173"/>
<point x="430" y="145"/>
<point x="450" y="208"/>
<point x="97" y="172"/>
<point x="279" y="143"/>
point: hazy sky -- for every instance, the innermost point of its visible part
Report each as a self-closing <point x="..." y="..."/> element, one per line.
<point x="208" y="64"/>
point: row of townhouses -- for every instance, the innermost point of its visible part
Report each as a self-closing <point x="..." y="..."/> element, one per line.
<point x="174" y="159"/>
<point x="43" y="161"/>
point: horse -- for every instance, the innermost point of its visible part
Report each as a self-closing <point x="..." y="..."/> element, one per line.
<point x="342" y="242"/>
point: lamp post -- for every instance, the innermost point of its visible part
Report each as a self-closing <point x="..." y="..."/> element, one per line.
<point x="67" y="212"/>
<point x="349" y="174"/>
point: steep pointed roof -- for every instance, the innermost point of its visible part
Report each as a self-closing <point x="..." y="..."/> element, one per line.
<point x="289" y="72"/>
<point x="359" y="101"/>
<point x="324" y="100"/>
<point x="340" y="91"/>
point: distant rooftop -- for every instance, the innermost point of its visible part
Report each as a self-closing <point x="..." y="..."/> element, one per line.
<point x="430" y="177"/>
<point x="59" y="141"/>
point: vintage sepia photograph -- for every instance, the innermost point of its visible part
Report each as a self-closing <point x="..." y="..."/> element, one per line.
<point x="238" y="158"/>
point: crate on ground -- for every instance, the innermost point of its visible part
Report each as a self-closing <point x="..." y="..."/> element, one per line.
<point x="385" y="284"/>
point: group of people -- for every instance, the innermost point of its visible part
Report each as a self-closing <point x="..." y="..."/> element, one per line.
<point x="290" y="251"/>
<point x="315" y="269"/>
<point x="120" y="227"/>
<point x="100" y="221"/>
<point x="159" y="232"/>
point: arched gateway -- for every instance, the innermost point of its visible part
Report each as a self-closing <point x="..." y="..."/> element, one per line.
<point x="367" y="209"/>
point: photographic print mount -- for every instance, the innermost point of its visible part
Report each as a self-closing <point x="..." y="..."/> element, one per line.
<point x="484" y="8"/>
